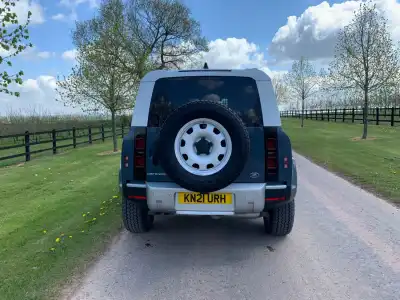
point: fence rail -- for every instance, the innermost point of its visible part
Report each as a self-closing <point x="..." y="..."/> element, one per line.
<point x="379" y="116"/>
<point x="53" y="140"/>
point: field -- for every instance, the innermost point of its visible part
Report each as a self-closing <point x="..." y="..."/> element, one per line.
<point x="373" y="164"/>
<point x="58" y="212"/>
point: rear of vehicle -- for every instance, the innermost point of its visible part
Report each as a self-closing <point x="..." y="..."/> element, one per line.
<point x="207" y="143"/>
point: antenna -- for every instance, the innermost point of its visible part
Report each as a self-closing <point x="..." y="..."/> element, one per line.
<point x="205" y="66"/>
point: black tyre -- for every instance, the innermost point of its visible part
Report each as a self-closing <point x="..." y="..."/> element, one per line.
<point x="223" y="130"/>
<point x="280" y="220"/>
<point x="136" y="216"/>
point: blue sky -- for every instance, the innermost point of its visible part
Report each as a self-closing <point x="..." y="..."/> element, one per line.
<point x="255" y="20"/>
<point x="267" y="34"/>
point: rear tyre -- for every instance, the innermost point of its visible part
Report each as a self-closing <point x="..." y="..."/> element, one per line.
<point x="136" y="216"/>
<point x="280" y="220"/>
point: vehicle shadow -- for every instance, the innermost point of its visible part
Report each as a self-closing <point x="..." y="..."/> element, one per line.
<point x="205" y="239"/>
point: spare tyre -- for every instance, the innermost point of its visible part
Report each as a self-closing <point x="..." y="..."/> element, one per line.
<point x="203" y="146"/>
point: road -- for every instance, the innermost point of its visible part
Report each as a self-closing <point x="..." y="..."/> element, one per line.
<point x="345" y="245"/>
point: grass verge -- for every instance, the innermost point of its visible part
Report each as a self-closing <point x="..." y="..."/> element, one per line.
<point x="373" y="164"/>
<point x="57" y="214"/>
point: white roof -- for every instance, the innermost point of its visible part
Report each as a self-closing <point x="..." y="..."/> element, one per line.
<point x="256" y="74"/>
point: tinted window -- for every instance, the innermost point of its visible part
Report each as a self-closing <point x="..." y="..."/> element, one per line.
<point x="238" y="93"/>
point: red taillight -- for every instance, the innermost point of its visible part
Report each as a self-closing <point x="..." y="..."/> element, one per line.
<point x="271" y="144"/>
<point x="140" y="143"/>
<point x="139" y="158"/>
<point x="275" y="199"/>
<point x="271" y="154"/>
<point x="271" y="163"/>
<point x="139" y="161"/>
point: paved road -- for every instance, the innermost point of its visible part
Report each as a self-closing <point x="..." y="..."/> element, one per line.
<point x="345" y="245"/>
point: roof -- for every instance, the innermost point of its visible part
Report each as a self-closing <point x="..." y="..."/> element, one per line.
<point x="256" y="74"/>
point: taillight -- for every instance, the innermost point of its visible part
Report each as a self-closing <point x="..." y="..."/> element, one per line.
<point x="139" y="157"/>
<point x="271" y="154"/>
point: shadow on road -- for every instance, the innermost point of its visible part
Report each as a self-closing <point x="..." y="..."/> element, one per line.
<point x="205" y="240"/>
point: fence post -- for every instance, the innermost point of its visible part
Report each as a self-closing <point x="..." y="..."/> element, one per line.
<point x="90" y="134"/>
<point x="102" y="132"/>
<point x="27" y="147"/>
<point x="54" y="139"/>
<point x="335" y="114"/>
<point x="306" y="115"/>
<point x="392" y="117"/>
<point x="377" y="116"/>
<point x="74" y="137"/>
<point x="344" y="114"/>
<point x="352" y="115"/>
<point x="322" y="115"/>
<point x="328" y="115"/>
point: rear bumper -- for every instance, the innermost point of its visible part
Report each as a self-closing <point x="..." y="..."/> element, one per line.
<point x="249" y="199"/>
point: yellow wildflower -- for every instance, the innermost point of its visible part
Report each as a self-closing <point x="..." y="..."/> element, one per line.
<point x="83" y="231"/>
<point x="94" y="219"/>
<point x="44" y="231"/>
<point x="70" y="236"/>
<point x="52" y="249"/>
<point x="115" y="197"/>
<point x="83" y="215"/>
<point x="57" y="240"/>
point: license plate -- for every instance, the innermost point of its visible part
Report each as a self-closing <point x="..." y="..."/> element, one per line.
<point x="211" y="198"/>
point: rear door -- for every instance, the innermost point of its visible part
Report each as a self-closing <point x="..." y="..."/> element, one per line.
<point x="238" y="93"/>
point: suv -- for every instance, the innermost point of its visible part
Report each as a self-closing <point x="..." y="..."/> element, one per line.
<point x="207" y="142"/>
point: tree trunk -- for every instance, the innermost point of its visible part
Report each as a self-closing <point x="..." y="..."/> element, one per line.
<point x="114" y="131"/>
<point x="365" y="115"/>
<point x="302" y="113"/>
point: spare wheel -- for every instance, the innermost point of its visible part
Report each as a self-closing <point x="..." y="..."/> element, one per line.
<point x="203" y="146"/>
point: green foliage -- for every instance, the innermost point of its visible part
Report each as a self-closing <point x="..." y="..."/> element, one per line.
<point x="13" y="40"/>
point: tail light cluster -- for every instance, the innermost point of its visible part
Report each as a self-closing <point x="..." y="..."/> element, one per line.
<point x="139" y="157"/>
<point x="271" y="154"/>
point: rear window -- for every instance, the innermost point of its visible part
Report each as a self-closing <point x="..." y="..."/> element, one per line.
<point x="238" y="93"/>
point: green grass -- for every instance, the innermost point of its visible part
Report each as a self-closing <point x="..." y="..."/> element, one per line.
<point x="373" y="164"/>
<point x="52" y="193"/>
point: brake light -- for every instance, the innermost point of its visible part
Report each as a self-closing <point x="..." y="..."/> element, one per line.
<point x="271" y="154"/>
<point x="140" y="143"/>
<point x="139" y="157"/>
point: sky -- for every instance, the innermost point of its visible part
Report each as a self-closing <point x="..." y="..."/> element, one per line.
<point x="266" y="34"/>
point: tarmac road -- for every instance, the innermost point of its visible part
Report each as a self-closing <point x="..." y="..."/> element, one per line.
<point x="345" y="245"/>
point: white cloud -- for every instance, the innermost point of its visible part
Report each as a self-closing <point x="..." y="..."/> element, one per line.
<point x="69" y="54"/>
<point x="23" y="6"/>
<point x="313" y="34"/>
<point x="58" y="17"/>
<point x="45" y="54"/>
<point x="34" y="93"/>
<point x="234" y="53"/>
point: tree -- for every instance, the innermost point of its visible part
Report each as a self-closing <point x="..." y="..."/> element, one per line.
<point x="13" y="37"/>
<point x="96" y="83"/>
<point x="280" y="89"/>
<point x="365" y="56"/>
<point x="155" y="34"/>
<point x="303" y="82"/>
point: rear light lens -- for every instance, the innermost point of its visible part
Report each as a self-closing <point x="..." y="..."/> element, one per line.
<point x="140" y="143"/>
<point x="271" y="154"/>
<point x="140" y="157"/>
<point x="139" y="161"/>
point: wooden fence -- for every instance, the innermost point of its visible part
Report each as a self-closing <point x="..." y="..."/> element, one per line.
<point x="379" y="116"/>
<point x="52" y="140"/>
